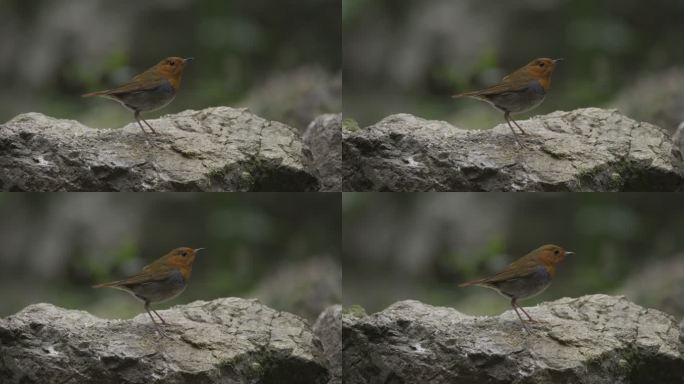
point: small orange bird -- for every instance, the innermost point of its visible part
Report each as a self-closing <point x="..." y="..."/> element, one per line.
<point x="526" y="277"/>
<point x="160" y="281"/>
<point x="151" y="90"/>
<point x="518" y="92"/>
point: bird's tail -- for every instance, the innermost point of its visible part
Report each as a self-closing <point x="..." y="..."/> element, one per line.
<point x="106" y="285"/>
<point x="99" y="93"/>
<point x="472" y="282"/>
<point x="465" y="94"/>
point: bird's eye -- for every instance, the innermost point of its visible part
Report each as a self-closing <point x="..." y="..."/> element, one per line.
<point x="184" y="253"/>
<point x="555" y="252"/>
<point x="541" y="65"/>
<point x="171" y="63"/>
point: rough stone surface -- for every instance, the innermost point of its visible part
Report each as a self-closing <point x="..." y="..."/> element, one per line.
<point x="582" y="150"/>
<point x="586" y="340"/>
<point x="678" y="143"/>
<point x="323" y="139"/>
<point x="681" y="337"/>
<point x="328" y="329"/>
<point x="226" y="340"/>
<point x="215" y="149"/>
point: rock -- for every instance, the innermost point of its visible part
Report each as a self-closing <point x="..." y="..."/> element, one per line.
<point x="582" y="150"/>
<point x="227" y="340"/>
<point x="323" y="139"/>
<point x="681" y="337"/>
<point x="678" y="143"/>
<point x="328" y="329"/>
<point x="215" y="149"/>
<point x="591" y="339"/>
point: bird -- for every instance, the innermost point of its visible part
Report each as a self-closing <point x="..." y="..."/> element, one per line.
<point x="519" y="92"/>
<point x="162" y="280"/>
<point x="151" y="90"/>
<point x="528" y="276"/>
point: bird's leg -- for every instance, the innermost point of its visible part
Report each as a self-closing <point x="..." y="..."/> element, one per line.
<point x="508" y="120"/>
<point x="147" y="308"/>
<point x="526" y="314"/>
<point x="519" y="127"/>
<point x="148" y="124"/>
<point x="164" y="322"/>
<point x="515" y="308"/>
<point x="136" y="114"/>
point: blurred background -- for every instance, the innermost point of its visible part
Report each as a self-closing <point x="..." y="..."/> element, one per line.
<point x="281" y="248"/>
<point x="281" y="59"/>
<point x="412" y="55"/>
<point x="421" y="246"/>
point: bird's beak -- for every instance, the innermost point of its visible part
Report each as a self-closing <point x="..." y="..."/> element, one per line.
<point x="198" y="249"/>
<point x="555" y="61"/>
<point x="185" y="61"/>
<point x="568" y="253"/>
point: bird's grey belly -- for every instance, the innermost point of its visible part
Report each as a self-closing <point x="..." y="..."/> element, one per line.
<point x="527" y="286"/>
<point x="520" y="101"/>
<point x="149" y="100"/>
<point x="161" y="290"/>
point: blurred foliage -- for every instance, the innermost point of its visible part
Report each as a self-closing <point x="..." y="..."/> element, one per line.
<point x="257" y="245"/>
<point x="409" y="56"/>
<point x="420" y="246"/>
<point x="54" y="51"/>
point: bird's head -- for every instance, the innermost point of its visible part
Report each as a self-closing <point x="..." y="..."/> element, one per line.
<point x="180" y="258"/>
<point x="172" y="67"/>
<point x="542" y="68"/>
<point x="537" y="69"/>
<point x="551" y="254"/>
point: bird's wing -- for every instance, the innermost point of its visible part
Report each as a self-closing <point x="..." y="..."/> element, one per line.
<point x="513" y="273"/>
<point x="497" y="89"/>
<point x="517" y="269"/>
<point x="137" y="85"/>
<point x="162" y="273"/>
<point x="159" y="263"/>
<point x="518" y="75"/>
